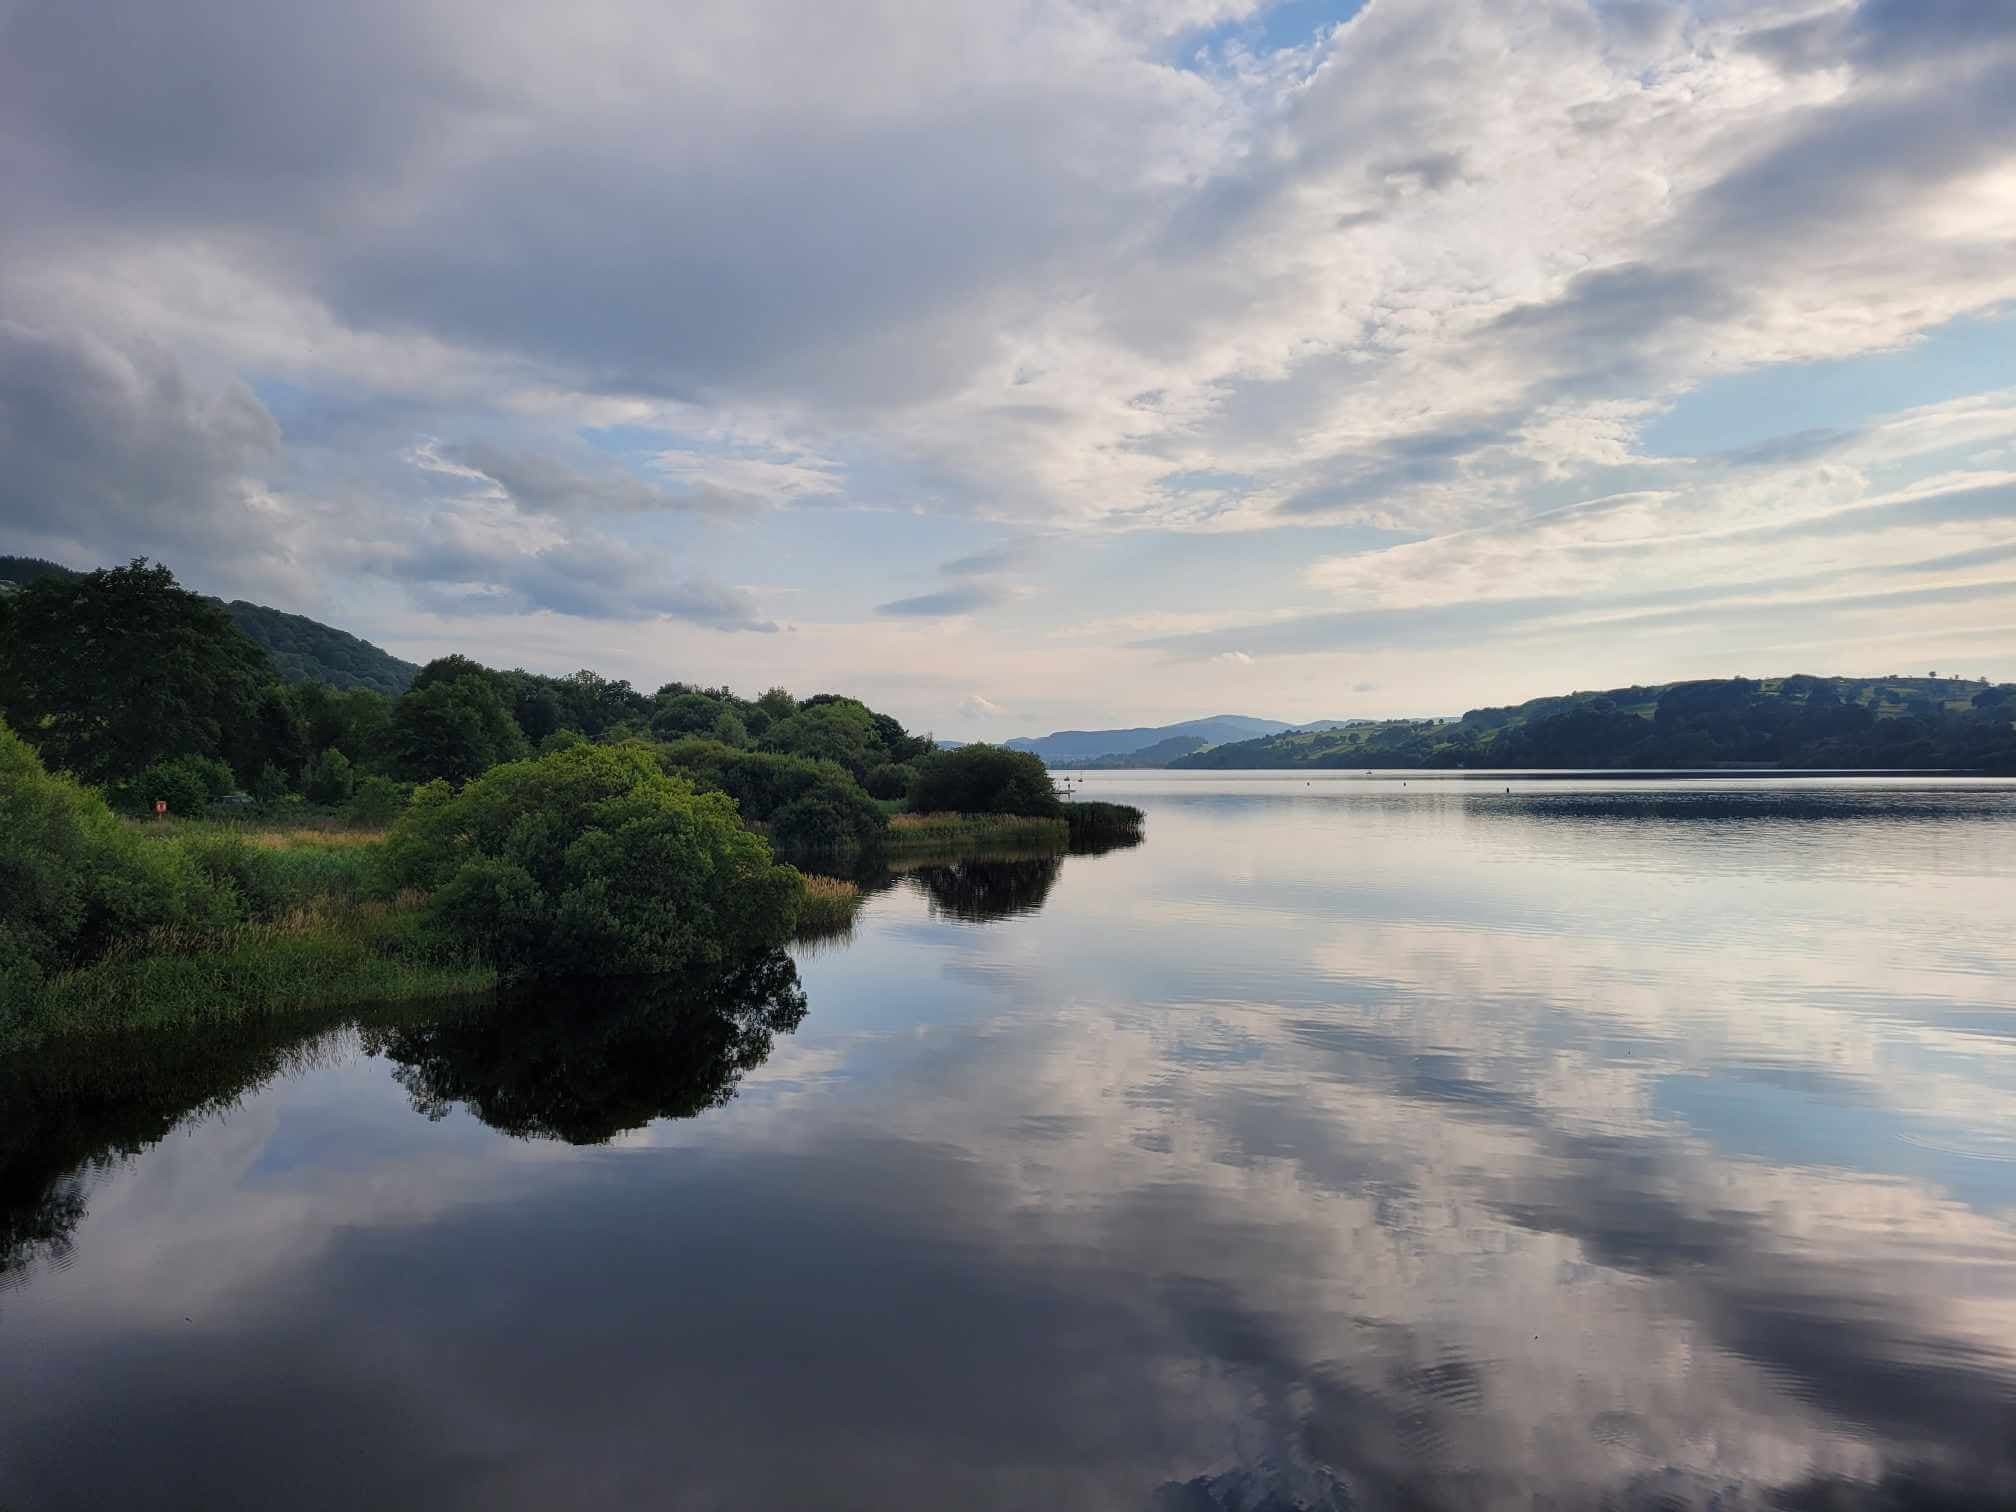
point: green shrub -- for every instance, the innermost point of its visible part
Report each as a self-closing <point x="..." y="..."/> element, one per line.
<point x="984" y="779"/>
<point x="187" y="784"/>
<point x="591" y="862"/>
<point x="375" y="801"/>
<point x="271" y="785"/>
<point x="890" y="780"/>
<point x="812" y="810"/>
<point x="330" y="780"/>
<point x="74" y="881"/>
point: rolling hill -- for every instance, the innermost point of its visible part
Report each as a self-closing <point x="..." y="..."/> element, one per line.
<point x="301" y="649"/>
<point x="1085" y="745"/>
<point x="1798" y="722"/>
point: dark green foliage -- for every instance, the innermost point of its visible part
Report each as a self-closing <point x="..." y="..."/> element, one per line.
<point x="561" y="740"/>
<point x="377" y="801"/>
<point x="1103" y="824"/>
<point x="838" y="730"/>
<point x="303" y="650"/>
<point x="582" y="1061"/>
<point x="353" y="722"/>
<point x="811" y="810"/>
<point x="984" y="779"/>
<point x="74" y="881"/>
<point x="187" y="784"/>
<point x="109" y="673"/>
<point x="686" y="714"/>
<point x="594" y="862"/>
<point x="19" y="572"/>
<point x="890" y="780"/>
<point x="277" y="739"/>
<point x="453" y="729"/>
<point x="331" y="780"/>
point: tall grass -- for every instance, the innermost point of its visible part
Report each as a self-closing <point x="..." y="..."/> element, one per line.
<point x="938" y="834"/>
<point x="322" y="954"/>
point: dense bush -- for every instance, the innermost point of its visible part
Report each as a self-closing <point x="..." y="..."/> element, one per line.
<point x="331" y="780"/>
<point x="187" y="784"/>
<point x="376" y="801"/>
<point x="453" y="728"/>
<point x="595" y="862"/>
<point x="811" y="810"/>
<point x="984" y="779"/>
<point x="74" y="881"/>
<point x="890" y="780"/>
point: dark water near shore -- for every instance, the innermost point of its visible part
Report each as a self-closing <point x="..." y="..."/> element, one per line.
<point x="1382" y="1143"/>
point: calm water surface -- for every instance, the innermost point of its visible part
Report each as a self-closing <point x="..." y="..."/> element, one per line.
<point x="1351" y="1143"/>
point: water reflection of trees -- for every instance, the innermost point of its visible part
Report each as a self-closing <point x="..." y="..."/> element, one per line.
<point x="76" y="1107"/>
<point x="575" y="1062"/>
<point x="977" y="891"/>
<point x="585" y="1061"/>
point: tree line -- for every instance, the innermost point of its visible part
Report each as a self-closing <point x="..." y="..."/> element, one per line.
<point x="1800" y="722"/>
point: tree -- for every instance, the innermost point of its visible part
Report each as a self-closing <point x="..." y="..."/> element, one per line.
<point x="187" y="784"/>
<point x="453" y="729"/>
<point x="111" y="672"/>
<point x="984" y="779"/>
<point x="833" y="729"/>
<point x="592" y="862"/>
<point x="811" y="810"/>
<point x="331" y="779"/>
<point x="278" y="737"/>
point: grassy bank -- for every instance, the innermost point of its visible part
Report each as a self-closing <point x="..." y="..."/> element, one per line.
<point x="913" y="835"/>
<point x="327" y="953"/>
<point x="827" y="908"/>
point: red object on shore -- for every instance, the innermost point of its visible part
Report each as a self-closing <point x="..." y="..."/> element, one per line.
<point x="160" y="806"/>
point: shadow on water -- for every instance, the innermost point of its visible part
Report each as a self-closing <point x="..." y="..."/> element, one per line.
<point x="580" y="1062"/>
<point x="586" y="1061"/>
<point x="978" y="891"/>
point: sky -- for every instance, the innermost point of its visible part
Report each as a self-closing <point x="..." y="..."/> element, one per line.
<point x="1025" y="364"/>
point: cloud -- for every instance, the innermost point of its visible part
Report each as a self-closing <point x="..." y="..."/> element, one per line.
<point x="1090" y="266"/>
<point x="546" y="486"/>
<point x="973" y="706"/>
<point x="994" y="559"/>
<point x="1233" y="659"/>
<point x="961" y="600"/>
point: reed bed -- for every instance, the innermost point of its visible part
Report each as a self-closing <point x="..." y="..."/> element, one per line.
<point x="912" y="834"/>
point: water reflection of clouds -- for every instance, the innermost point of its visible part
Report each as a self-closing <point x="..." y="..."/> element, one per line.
<point x="1276" y="1197"/>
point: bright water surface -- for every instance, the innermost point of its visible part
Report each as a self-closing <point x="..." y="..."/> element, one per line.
<point x="1350" y="1143"/>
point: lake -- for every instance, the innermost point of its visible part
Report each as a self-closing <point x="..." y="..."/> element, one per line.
<point x="1373" y="1142"/>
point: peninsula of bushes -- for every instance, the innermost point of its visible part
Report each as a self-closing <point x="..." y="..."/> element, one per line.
<point x="323" y="845"/>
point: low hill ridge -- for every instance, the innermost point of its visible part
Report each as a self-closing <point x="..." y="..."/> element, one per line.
<point x="302" y="650"/>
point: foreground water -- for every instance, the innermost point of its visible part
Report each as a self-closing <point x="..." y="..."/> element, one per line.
<point x="1351" y="1143"/>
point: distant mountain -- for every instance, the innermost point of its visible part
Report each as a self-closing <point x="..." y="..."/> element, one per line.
<point x="1084" y="745"/>
<point x="306" y="650"/>
<point x="19" y="572"/>
<point x="1798" y="722"/>
<point x="1157" y="755"/>
<point x="301" y="649"/>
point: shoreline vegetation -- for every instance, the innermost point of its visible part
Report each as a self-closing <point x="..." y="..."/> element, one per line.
<point x="187" y="839"/>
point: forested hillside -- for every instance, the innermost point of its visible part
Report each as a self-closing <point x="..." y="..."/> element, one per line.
<point x="1794" y="722"/>
<point x="305" y="650"/>
<point x="301" y="650"/>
